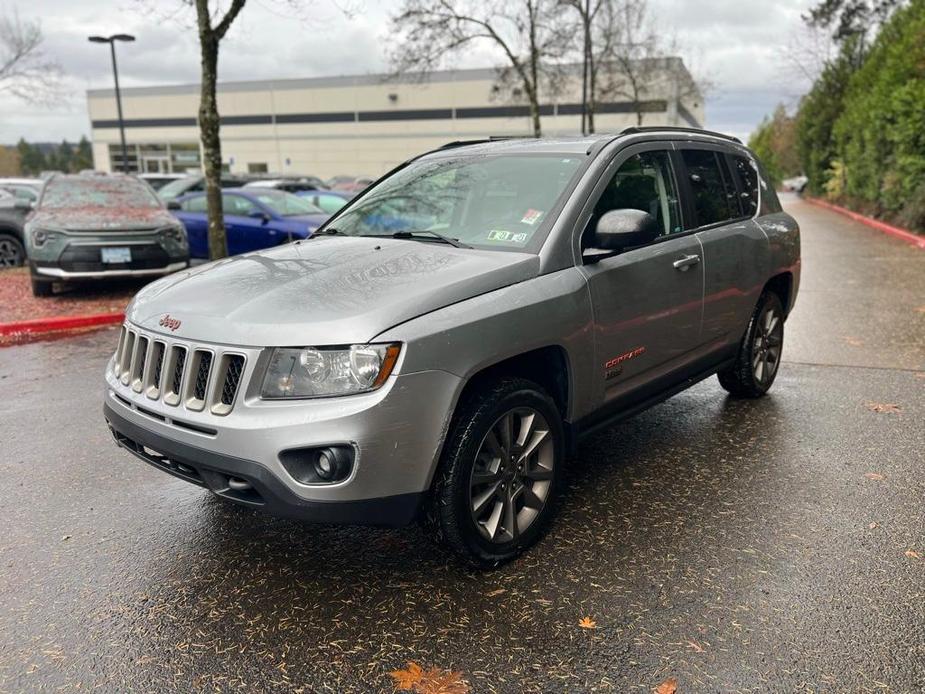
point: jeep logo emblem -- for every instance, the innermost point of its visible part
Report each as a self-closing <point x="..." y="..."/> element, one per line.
<point x="168" y="322"/>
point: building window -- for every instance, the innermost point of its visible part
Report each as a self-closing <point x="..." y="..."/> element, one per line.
<point x="257" y="167"/>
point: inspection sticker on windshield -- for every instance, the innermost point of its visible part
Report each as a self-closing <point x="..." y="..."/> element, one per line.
<point x="531" y="216"/>
<point x="509" y="236"/>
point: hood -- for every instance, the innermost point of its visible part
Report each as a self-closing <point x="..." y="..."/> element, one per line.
<point x="324" y="291"/>
<point x="92" y="218"/>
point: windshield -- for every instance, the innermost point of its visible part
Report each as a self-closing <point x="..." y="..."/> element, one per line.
<point x="175" y="188"/>
<point x="494" y="201"/>
<point x="285" y="204"/>
<point x="98" y="191"/>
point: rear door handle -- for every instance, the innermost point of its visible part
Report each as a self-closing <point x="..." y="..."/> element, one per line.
<point x="686" y="262"/>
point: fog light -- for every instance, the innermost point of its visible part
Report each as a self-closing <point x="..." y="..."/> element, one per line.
<point x="325" y="465"/>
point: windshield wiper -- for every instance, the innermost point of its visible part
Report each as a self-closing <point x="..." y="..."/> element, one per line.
<point x="455" y="243"/>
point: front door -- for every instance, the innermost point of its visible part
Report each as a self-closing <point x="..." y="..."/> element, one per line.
<point x="647" y="301"/>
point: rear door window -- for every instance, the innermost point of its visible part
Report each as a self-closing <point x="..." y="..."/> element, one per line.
<point x="714" y="195"/>
<point x="197" y="204"/>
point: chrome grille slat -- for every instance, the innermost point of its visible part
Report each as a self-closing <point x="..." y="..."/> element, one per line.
<point x="177" y="373"/>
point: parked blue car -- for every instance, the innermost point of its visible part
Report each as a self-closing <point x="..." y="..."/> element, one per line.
<point x="329" y="201"/>
<point x="254" y="219"/>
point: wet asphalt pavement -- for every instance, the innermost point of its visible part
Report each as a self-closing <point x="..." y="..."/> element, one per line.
<point x="774" y="545"/>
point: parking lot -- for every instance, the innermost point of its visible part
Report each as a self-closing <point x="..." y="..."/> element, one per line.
<point x="769" y="545"/>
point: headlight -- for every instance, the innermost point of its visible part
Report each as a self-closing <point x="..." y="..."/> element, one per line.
<point x="41" y="236"/>
<point x="321" y="371"/>
<point x="176" y="234"/>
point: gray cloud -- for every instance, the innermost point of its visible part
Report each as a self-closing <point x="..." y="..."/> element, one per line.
<point x="739" y="46"/>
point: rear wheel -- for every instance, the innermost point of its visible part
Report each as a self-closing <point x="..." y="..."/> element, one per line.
<point x="12" y="253"/>
<point x="759" y="355"/>
<point x="494" y="492"/>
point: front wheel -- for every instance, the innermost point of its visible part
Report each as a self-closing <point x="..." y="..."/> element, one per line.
<point x="495" y="489"/>
<point x="12" y="253"/>
<point x="758" y="358"/>
<point x="42" y="287"/>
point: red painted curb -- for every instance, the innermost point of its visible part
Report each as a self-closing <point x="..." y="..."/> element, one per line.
<point x="917" y="240"/>
<point x="49" y="325"/>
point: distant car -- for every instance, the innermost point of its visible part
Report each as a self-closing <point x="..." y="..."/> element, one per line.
<point x="350" y="184"/>
<point x="159" y="180"/>
<point x="96" y="227"/>
<point x="290" y="185"/>
<point x="12" y="216"/>
<point x="196" y="183"/>
<point x="254" y="218"/>
<point x="329" y="201"/>
<point x="796" y="184"/>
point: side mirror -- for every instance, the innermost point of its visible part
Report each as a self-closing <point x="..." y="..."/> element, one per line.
<point x="173" y="206"/>
<point x="619" y="229"/>
<point x="258" y="214"/>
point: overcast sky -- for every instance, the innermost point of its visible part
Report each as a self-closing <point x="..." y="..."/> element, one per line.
<point x="740" y="47"/>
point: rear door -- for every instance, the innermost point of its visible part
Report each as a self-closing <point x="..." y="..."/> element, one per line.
<point x="721" y="208"/>
<point x="647" y="301"/>
<point x="246" y="232"/>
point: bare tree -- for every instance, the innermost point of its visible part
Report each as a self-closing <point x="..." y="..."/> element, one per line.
<point x="25" y="71"/>
<point x="210" y="36"/>
<point x="588" y="12"/>
<point x="531" y="34"/>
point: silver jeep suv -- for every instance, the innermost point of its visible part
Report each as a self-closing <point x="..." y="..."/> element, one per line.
<point x="435" y="351"/>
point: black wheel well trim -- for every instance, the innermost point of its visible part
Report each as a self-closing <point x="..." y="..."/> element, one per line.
<point x="782" y="285"/>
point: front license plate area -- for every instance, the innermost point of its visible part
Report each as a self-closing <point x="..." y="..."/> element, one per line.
<point x="116" y="255"/>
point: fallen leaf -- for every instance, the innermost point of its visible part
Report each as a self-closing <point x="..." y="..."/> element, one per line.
<point x="875" y="476"/>
<point x="437" y="681"/>
<point x="695" y="646"/>
<point x="66" y="537"/>
<point x="407" y="678"/>
<point x="921" y="309"/>
<point x="669" y="686"/>
<point x="912" y="554"/>
<point x="853" y="341"/>
<point x="587" y="623"/>
<point x="872" y="526"/>
<point x="415" y="678"/>
<point x="495" y="592"/>
<point x="884" y="407"/>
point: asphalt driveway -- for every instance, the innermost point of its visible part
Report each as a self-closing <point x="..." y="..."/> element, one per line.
<point x="775" y="545"/>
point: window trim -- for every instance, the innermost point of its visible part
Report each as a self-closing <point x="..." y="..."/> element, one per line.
<point x="617" y="160"/>
<point x="689" y="191"/>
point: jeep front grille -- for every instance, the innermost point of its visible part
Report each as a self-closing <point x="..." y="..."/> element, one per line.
<point x="180" y="375"/>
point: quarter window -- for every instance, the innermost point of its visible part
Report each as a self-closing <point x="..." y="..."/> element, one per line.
<point x="714" y="194"/>
<point x="748" y="175"/>
<point x="643" y="182"/>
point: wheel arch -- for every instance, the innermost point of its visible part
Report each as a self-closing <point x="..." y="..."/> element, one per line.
<point x="782" y="285"/>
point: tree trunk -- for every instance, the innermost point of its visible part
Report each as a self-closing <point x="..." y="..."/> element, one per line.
<point x="209" y="133"/>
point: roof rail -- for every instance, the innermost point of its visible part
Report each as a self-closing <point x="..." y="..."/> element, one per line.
<point x="483" y="140"/>
<point x="676" y="129"/>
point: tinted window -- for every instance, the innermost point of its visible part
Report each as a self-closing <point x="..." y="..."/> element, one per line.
<point x="197" y="204"/>
<point x="714" y="195"/>
<point x="748" y="177"/>
<point x="643" y="182"/>
<point x="769" y="202"/>
<point x="237" y="205"/>
<point x="328" y="203"/>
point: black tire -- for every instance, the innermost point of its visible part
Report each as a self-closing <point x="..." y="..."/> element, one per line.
<point x="448" y="515"/>
<point x="12" y="252"/>
<point x="758" y="359"/>
<point x="42" y="288"/>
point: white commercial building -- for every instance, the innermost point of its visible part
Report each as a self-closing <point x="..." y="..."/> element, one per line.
<point x="361" y="125"/>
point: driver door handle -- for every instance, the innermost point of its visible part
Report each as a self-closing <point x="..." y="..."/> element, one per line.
<point x="686" y="262"/>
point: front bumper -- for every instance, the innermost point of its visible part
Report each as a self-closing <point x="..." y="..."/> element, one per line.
<point x="267" y="492"/>
<point x="396" y="434"/>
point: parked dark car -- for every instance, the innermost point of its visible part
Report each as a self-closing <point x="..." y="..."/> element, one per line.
<point x="255" y="218"/>
<point x="350" y="184"/>
<point x="100" y="226"/>
<point x="12" y="216"/>
<point x="196" y="183"/>
<point x="293" y="184"/>
<point x="329" y="201"/>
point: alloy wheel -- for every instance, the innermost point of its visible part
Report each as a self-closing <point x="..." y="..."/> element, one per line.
<point x="512" y="475"/>
<point x="10" y="253"/>
<point x="766" y="349"/>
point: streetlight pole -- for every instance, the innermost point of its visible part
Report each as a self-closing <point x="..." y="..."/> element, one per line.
<point x="111" y="40"/>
